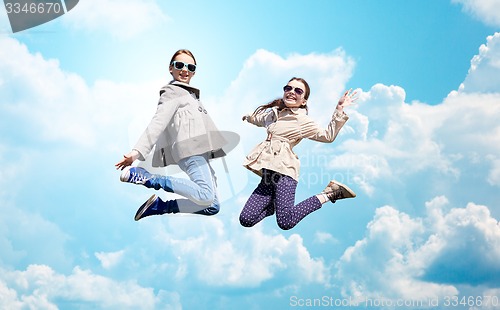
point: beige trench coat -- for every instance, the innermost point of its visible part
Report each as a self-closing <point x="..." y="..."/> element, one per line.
<point x="285" y="129"/>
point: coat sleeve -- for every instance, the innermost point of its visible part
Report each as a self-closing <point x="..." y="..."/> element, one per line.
<point x="311" y="130"/>
<point x="262" y="119"/>
<point x="167" y="106"/>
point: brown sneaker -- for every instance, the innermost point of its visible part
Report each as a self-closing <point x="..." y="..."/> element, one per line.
<point x="336" y="190"/>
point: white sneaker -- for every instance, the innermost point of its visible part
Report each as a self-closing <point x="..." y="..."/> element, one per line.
<point x="336" y="190"/>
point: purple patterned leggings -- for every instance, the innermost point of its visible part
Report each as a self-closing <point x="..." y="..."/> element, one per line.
<point x="276" y="192"/>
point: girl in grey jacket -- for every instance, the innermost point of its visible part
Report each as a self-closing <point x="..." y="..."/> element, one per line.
<point x="182" y="133"/>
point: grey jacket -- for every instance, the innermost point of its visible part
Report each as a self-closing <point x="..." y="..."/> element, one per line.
<point x="181" y="127"/>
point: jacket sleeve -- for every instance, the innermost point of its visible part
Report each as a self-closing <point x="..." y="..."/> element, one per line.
<point x="167" y="106"/>
<point x="311" y="130"/>
<point x="262" y="119"/>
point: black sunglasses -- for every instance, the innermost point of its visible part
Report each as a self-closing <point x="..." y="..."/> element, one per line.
<point x="297" y="90"/>
<point x="179" y="65"/>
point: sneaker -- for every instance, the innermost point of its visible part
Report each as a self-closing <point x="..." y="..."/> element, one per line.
<point x="336" y="190"/>
<point x="144" y="210"/>
<point x="135" y="175"/>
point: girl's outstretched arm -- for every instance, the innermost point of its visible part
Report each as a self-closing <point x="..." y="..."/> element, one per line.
<point x="262" y="119"/>
<point x="312" y="131"/>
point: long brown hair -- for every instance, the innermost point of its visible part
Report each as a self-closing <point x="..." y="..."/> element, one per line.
<point x="279" y="102"/>
<point x="182" y="51"/>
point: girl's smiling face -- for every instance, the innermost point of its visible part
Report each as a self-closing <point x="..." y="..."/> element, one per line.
<point x="291" y="96"/>
<point x="182" y="75"/>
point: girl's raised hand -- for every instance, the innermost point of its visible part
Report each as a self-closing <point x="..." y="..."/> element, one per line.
<point x="347" y="99"/>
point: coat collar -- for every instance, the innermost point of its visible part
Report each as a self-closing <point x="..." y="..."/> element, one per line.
<point x="296" y="111"/>
<point x="187" y="87"/>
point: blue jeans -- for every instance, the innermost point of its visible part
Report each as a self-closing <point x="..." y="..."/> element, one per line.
<point x="200" y="190"/>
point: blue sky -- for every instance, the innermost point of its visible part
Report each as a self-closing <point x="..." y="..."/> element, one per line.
<point x="421" y="150"/>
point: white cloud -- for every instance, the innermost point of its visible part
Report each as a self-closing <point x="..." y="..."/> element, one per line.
<point x="460" y="230"/>
<point x="421" y="258"/>
<point x="121" y="18"/>
<point x="488" y="11"/>
<point x="221" y="256"/>
<point x="110" y="259"/>
<point x="489" y="299"/>
<point x="24" y="235"/>
<point x="59" y="106"/>
<point x="494" y="174"/>
<point x="483" y="73"/>
<point x="9" y="298"/>
<point x="40" y="287"/>
<point x="392" y="140"/>
<point x="324" y="237"/>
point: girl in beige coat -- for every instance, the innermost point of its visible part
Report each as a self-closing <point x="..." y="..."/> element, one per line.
<point x="287" y="123"/>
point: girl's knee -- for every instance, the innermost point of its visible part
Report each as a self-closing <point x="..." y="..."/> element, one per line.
<point x="205" y="198"/>
<point x="285" y="225"/>
<point x="245" y="221"/>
